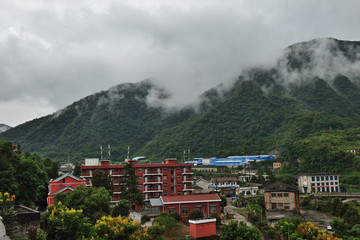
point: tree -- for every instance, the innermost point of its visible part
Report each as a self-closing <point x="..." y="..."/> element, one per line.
<point x="129" y="188"/>
<point x="122" y="208"/>
<point x="165" y="221"/>
<point x="218" y="218"/>
<point x="95" y="202"/>
<point x="239" y="231"/>
<point x="145" y="219"/>
<point x="176" y="216"/>
<point x="339" y="225"/>
<point x="195" y="214"/>
<point x="102" y="179"/>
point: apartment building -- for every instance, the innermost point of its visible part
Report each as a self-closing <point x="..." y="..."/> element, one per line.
<point x="318" y="182"/>
<point x="154" y="180"/>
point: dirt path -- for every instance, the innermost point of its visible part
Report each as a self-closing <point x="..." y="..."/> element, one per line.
<point x="237" y="216"/>
<point x="321" y="219"/>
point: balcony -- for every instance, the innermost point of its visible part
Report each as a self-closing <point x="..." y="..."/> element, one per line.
<point x="187" y="172"/>
<point x="116" y="193"/>
<point x="152" y="172"/>
<point x="116" y="174"/>
<point x="188" y="189"/>
<point x="85" y="175"/>
<point x="186" y="180"/>
<point x="153" y="181"/>
<point x="153" y="189"/>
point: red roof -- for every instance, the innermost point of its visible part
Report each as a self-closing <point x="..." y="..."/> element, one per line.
<point x="212" y="197"/>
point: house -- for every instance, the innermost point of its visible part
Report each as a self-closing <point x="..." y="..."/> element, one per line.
<point x="202" y="185"/>
<point x="276" y="165"/>
<point x="154" y="179"/>
<point x="250" y="189"/>
<point x="281" y="200"/>
<point x="64" y="183"/>
<point x="207" y="203"/>
<point x="318" y="182"/>
<point x="222" y="182"/>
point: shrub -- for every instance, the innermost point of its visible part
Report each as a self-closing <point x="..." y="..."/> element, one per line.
<point x="145" y="219"/>
<point x="195" y="214"/>
<point x="176" y="216"/>
<point x="218" y="218"/>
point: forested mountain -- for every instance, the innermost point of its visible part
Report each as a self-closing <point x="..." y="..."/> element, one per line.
<point x="313" y="87"/>
<point x="4" y="127"/>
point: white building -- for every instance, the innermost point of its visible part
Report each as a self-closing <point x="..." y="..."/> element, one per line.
<point x="318" y="182"/>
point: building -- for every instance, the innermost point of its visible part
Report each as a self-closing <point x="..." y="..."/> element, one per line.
<point x="318" y="182"/>
<point x="231" y="161"/>
<point x="155" y="179"/>
<point x="201" y="228"/>
<point x="281" y="197"/>
<point x="64" y="183"/>
<point x="207" y="203"/>
<point x="276" y="165"/>
<point x="222" y="182"/>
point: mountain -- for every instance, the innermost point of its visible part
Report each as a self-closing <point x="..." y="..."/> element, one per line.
<point x="313" y="87"/>
<point x="4" y="127"/>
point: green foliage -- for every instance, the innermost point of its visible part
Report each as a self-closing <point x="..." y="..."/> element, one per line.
<point x="176" y="216"/>
<point x="95" y="202"/>
<point x="195" y="214"/>
<point x="122" y="208"/>
<point x="166" y="221"/>
<point x="239" y="231"/>
<point x="102" y="179"/>
<point x="145" y="219"/>
<point x="129" y="187"/>
<point x="218" y="218"/>
<point x="339" y="225"/>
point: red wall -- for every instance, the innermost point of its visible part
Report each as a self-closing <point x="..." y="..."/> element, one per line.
<point x="205" y="207"/>
<point x="56" y="186"/>
<point x="201" y="230"/>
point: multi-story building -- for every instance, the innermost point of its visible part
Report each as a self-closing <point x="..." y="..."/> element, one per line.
<point x="318" y="182"/>
<point x="154" y="180"/>
<point x="281" y="197"/>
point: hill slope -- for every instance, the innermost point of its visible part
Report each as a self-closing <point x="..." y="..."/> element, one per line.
<point x="313" y="87"/>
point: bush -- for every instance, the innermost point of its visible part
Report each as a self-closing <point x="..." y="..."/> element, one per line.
<point x="165" y="221"/>
<point x="195" y="214"/>
<point x="122" y="208"/>
<point x="218" y="218"/>
<point x="176" y="216"/>
<point x="145" y="219"/>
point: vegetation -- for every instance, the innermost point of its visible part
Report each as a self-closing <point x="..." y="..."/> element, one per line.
<point x="102" y="179"/>
<point x="129" y="188"/>
<point x="239" y="231"/>
<point x="122" y="208"/>
<point x="195" y="214"/>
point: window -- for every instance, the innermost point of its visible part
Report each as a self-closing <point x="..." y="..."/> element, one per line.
<point x="318" y="184"/>
<point x="313" y="179"/>
<point x="280" y="206"/>
<point x="179" y="185"/>
<point x="332" y="183"/>
<point x="139" y="186"/>
<point x="336" y="189"/>
<point x="273" y="194"/>
<point x="139" y="178"/>
<point x="186" y="168"/>
<point x="171" y="210"/>
<point x="165" y="193"/>
<point x="165" y="185"/>
<point x="335" y="177"/>
<point x="317" y="178"/>
<point x="172" y="172"/>
<point x="286" y="205"/>
<point x="336" y="183"/>
<point x="178" y="176"/>
<point x="184" y="210"/>
<point x="213" y="208"/>
<point x="199" y="207"/>
<point x="178" y="168"/>
<point x="165" y="177"/>
<point x="139" y="169"/>
<point x="331" y="178"/>
<point x="273" y="206"/>
<point x="322" y="178"/>
<point x="286" y="195"/>
<point x="164" y="169"/>
<point x="327" y="184"/>
<point x="313" y="184"/>
<point x="179" y="192"/>
<point x="327" y="178"/>
<point x="280" y="195"/>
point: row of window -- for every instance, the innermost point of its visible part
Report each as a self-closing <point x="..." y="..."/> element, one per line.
<point x="280" y="194"/>
<point x="325" y="184"/>
<point x="165" y="178"/>
<point x="324" y="178"/>
<point x="185" y="210"/>
<point x="164" y="169"/>
<point x="280" y="206"/>
<point x="326" y="189"/>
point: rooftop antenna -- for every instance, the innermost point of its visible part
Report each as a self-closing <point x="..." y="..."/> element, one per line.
<point x="109" y="153"/>
<point x="101" y="152"/>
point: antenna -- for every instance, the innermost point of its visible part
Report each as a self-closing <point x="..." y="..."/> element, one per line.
<point x="109" y="153"/>
<point x="101" y="152"/>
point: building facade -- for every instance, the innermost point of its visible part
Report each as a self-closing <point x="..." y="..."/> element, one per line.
<point x="318" y="182"/>
<point x="65" y="183"/>
<point x="281" y="197"/>
<point x="207" y="203"/>
<point x="154" y="180"/>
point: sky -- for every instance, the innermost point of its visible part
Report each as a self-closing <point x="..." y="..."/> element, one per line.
<point x="53" y="53"/>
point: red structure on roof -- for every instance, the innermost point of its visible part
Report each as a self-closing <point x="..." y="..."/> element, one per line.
<point x="207" y="203"/>
<point x="64" y="183"/>
<point x="201" y="228"/>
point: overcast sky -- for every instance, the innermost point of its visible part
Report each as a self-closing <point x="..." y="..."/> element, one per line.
<point x="53" y="53"/>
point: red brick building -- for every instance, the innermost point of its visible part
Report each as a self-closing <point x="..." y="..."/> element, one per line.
<point x="65" y="183"/>
<point x="202" y="228"/>
<point x="155" y="180"/>
<point x="207" y="203"/>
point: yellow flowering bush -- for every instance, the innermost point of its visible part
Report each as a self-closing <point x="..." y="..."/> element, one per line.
<point x="112" y="228"/>
<point x="309" y="230"/>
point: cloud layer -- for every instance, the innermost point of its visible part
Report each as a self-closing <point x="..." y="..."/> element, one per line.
<point x="53" y="53"/>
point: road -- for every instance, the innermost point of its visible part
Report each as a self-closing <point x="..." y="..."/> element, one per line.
<point x="237" y="216"/>
<point x="321" y="219"/>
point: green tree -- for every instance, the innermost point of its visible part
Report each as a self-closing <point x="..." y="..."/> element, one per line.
<point x="195" y="214"/>
<point x="218" y="218"/>
<point x="145" y="219"/>
<point x="239" y="231"/>
<point x="165" y="221"/>
<point x="122" y="208"/>
<point x="129" y="188"/>
<point x="102" y="179"/>
<point x="95" y="202"/>
<point x="339" y="226"/>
